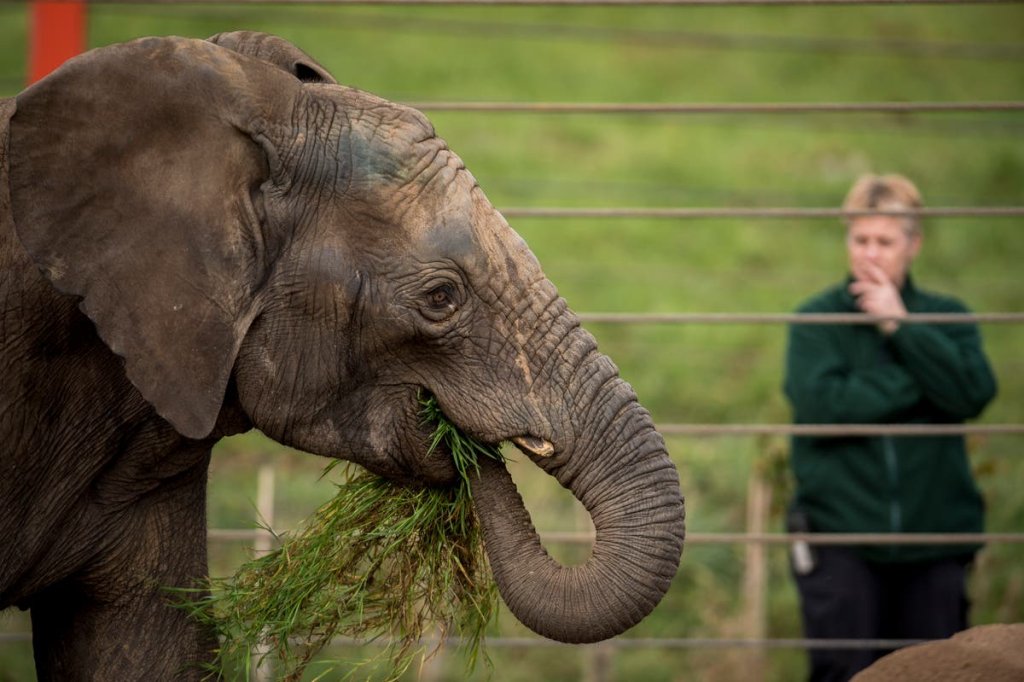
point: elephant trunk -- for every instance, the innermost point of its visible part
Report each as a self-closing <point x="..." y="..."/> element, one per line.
<point x="620" y="471"/>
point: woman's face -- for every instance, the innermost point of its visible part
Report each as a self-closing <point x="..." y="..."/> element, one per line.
<point x="884" y="242"/>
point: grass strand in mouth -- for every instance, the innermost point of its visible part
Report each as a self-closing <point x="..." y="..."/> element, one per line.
<point x="466" y="452"/>
<point x="378" y="563"/>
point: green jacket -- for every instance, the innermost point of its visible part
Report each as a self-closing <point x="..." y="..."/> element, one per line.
<point x="923" y="373"/>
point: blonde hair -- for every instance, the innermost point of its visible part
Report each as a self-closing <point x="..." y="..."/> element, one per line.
<point x="885" y="193"/>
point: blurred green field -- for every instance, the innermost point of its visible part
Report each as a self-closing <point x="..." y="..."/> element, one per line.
<point x="682" y="373"/>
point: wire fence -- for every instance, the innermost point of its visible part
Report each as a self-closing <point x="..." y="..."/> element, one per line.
<point x="771" y="213"/>
<point x="624" y="643"/>
<point x="575" y="3"/>
<point x="671" y="38"/>
<point x="841" y="430"/>
<point x="761" y="108"/>
<point x="798" y="318"/>
<point x="770" y="109"/>
<point x="704" y="538"/>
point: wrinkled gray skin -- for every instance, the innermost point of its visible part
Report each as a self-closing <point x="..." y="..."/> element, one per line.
<point x="202" y="238"/>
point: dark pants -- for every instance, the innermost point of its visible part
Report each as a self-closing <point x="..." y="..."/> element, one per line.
<point x="847" y="597"/>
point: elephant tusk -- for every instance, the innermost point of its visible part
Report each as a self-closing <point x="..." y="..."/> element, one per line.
<point x="534" y="446"/>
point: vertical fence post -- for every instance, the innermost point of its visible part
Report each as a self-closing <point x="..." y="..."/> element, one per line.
<point x="264" y="508"/>
<point x="755" y="574"/>
<point x="432" y="669"/>
<point x="57" y="33"/>
<point x="598" y="663"/>
<point x="262" y="670"/>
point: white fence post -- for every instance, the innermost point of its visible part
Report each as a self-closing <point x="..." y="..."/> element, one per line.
<point x="755" y="574"/>
<point x="263" y="670"/>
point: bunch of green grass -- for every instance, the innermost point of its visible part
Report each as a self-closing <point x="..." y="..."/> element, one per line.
<point x="376" y="562"/>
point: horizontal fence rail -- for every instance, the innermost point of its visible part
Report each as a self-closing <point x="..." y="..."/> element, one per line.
<point x="665" y="643"/>
<point x="584" y="538"/>
<point x="840" y="430"/>
<point x="709" y="643"/>
<point x="798" y="318"/>
<point x="768" y="212"/>
<point x="716" y="108"/>
<point x="657" y="37"/>
<point x="617" y="3"/>
<point x="697" y="538"/>
<point x="622" y="642"/>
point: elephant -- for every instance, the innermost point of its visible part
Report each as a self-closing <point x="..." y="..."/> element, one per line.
<point x="983" y="653"/>
<point x="203" y="237"/>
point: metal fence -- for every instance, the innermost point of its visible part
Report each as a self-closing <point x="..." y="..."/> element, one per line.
<point x="263" y="540"/>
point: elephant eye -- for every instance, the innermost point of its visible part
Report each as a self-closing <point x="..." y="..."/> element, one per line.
<point x="440" y="302"/>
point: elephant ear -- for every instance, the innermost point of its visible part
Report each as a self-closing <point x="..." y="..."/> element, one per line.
<point x="277" y="51"/>
<point x="135" y="180"/>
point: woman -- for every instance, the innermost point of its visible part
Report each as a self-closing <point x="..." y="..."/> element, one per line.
<point x="888" y="372"/>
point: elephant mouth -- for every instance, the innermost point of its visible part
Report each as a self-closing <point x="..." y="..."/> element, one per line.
<point x="430" y="415"/>
<point x="427" y="460"/>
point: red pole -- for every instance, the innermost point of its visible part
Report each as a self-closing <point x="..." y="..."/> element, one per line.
<point x="57" y="33"/>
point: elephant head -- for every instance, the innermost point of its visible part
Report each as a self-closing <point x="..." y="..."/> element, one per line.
<point x="248" y="235"/>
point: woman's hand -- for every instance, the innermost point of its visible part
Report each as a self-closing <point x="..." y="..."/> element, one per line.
<point x="877" y="295"/>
